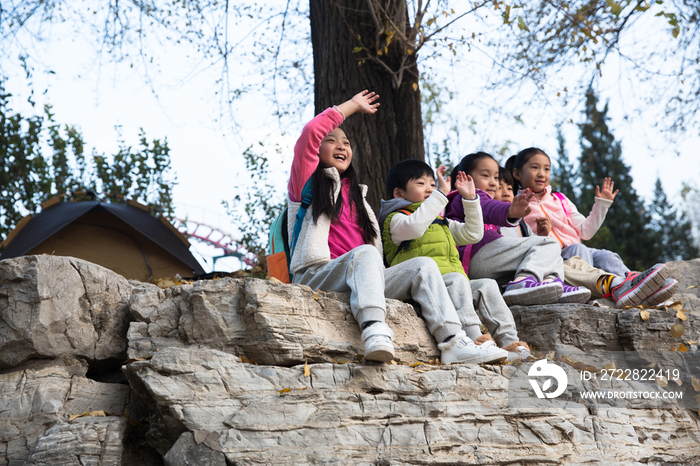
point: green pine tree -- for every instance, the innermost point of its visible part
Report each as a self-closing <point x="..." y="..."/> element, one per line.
<point x="674" y="230"/>
<point x="564" y="178"/>
<point x="627" y="229"/>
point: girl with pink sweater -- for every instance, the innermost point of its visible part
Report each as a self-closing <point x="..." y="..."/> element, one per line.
<point x="339" y="248"/>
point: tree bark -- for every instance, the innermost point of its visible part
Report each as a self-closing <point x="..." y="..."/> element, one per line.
<point x="395" y="132"/>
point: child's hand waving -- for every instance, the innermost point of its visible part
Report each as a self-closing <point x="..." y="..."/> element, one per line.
<point x="520" y="206"/>
<point x="607" y="191"/>
<point x="465" y="186"/>
<point x="364" y="102"/>
<point x="442" y="182"/>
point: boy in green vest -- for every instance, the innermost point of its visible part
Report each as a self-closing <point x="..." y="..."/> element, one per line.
<point x="412" y="227"/>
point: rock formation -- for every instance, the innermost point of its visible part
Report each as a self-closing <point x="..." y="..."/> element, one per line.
<point x="103" y="371"/>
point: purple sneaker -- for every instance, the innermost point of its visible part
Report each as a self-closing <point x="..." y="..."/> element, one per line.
<point x="573" y="294"/>
<point x="529" y="292"/>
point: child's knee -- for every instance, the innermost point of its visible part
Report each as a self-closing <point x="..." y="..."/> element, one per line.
<point x="367" y="254"/>
<point x="426" y="265"/>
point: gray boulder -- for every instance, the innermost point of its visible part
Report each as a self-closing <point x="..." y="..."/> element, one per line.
<point x="52" y="306"/>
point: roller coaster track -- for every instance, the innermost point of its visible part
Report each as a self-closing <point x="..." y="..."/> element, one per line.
<point x="214" y="237"/>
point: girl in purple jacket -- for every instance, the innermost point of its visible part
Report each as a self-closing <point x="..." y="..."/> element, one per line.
<point x="531" y="267"/>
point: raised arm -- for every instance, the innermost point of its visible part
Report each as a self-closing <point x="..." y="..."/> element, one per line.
<point x="364" y="102"/>
<point x="307" y="146"/>
<point x="407" y="227"/>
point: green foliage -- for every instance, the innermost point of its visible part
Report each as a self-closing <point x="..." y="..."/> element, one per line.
<point x="628" y="221"/>
<point x="255" y="210"/>
<point x="41" y="159"/>
<point x="673" y="229"/>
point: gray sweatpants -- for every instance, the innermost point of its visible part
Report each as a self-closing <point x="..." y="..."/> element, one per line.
<point x="361" y="272"/>
<point x="602" y="259"/>
<point x="508" y="257"/>
<point x="494" y="312"/>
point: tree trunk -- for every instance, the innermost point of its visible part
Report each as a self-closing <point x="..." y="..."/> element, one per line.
<point x="395" y="132"/>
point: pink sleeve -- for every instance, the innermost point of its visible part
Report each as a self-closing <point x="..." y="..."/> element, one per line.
<point x="306" y="150"/>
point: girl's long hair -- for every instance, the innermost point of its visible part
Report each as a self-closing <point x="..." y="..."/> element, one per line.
<point x="323" y="202"/>
<point x="519" y="162"/>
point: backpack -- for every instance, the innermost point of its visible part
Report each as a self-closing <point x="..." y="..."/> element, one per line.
<point x="280" y="247"/>
<point x="407" y="244"/>
<point x="562" y="198"/>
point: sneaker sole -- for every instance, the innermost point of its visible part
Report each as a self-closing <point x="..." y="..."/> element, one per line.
<point x="482" y="360"/>
<point x="544" y="294"/>
<point x="380" y="354"/>
<point x="661" y="295"/>
<point x="577" y="297"/>
<point x="635" y="296"/>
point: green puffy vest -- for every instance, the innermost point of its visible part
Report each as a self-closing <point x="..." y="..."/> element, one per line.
<point x="437" y="243"/>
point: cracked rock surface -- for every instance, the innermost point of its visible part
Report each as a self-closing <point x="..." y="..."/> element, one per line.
<point x="250" y="372"/>
<point x="53" y="306"/>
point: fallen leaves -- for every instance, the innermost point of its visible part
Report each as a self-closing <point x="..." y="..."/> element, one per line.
<point x="287" y="390"/>
<point x="695" y="382"/>
<point x="307" y="371"/>
<point x="677" y="330"/>
<point x="246" y="360"/>
<point x="644" y="315"/>
<point x="98" y="413"/>
<point x="661" y="381"/>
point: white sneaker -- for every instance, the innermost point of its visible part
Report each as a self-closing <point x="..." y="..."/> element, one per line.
<point x="378" y="345"/>
<point x="522" y="354"/>
<point x="463" y="350"/>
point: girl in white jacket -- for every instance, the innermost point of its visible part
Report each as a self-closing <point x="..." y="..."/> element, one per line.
<point x="339" y="248"/>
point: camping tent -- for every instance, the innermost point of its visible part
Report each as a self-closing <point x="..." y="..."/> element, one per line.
<point x="125" y="238"/>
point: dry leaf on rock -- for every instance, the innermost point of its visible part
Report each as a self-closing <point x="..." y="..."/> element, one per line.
<point x="644" y="315"/>
<point x="677" y="330"/>
<point x="307" y="371"/>
<point x="661" y="381"/>
<point x="696" y="383"/>
<point x="98" y="413"/>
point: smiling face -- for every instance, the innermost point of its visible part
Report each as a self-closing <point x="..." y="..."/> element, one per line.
<point x="485" y="176"/>
<point x="505" y="192"/>
<point x="417" y="189"/>
<point x="336" y="151"/>
<point x="535" y="173"/>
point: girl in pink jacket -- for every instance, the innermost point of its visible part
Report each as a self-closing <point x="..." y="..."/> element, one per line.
<point x="338" y="247"/>
<point x="554" y="215"/>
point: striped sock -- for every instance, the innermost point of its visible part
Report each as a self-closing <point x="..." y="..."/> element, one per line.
<point x="605" y="285"/>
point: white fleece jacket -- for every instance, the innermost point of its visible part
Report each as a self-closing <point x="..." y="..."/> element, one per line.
<point x="312" y="244"/>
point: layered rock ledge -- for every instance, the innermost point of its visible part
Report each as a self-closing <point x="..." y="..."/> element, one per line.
<point x="99" y="370"/>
